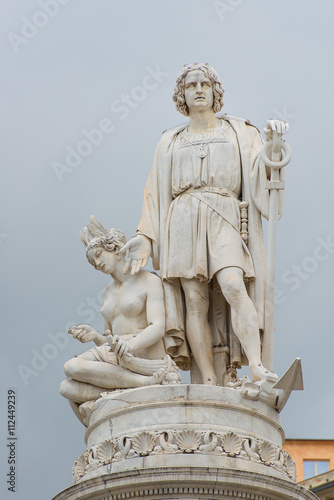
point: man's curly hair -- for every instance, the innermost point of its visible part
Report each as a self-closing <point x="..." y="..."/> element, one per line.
<point x="217" y="87"/>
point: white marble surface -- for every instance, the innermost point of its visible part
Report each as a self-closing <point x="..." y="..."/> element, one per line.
<point x="202" y="483"/>
<point x="180" y="426"/>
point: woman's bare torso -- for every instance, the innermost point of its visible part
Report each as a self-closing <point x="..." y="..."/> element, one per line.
<point x="124" y="310"/>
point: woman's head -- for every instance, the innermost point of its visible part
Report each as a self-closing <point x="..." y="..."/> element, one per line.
<point x="210" y="73"/>
<point x="111" y="242"/>
<point x="99" y="241"/>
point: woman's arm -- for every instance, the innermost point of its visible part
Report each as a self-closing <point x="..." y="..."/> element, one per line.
<point x="101" y="339"/>
<point x="85" y="333"/>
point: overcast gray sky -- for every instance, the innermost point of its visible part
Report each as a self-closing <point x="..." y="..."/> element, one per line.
<point x="68" y="71"/>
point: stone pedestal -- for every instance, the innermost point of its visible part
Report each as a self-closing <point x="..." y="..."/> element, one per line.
<point x="183" y="441"/>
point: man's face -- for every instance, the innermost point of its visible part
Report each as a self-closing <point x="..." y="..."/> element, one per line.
<point x="198" y="91"/>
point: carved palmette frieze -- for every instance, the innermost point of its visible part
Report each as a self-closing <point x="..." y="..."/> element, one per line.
<point x="105" y="452"/>
<point x="290" y="465"/>
<point x="123" y="448"/>
<point x="250" y="449"/>
<point x="144" y="443"/>
<point x="188" y="441"/>
<point x="166" y="443"/>
<point x="232" y="444"/>
<point x="79" y="467"/>
<point x="210" y="443"/>
<point x="268" y="452"/>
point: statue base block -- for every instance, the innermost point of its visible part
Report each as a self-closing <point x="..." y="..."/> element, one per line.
<point x="182" y="441"/>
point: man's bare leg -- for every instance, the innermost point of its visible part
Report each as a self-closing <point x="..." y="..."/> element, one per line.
<point x="198" y="330"/>
<point x="244" y="318"/>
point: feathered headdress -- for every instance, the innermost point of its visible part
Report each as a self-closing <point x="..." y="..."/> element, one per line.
<point x="94" y="234"/>
<point x="94" y="229"/>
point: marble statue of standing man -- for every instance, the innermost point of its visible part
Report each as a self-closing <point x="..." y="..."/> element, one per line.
<point x="190" y="223"/>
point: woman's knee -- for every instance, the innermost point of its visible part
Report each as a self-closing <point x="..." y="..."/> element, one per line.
<point x="71" y="367"/>
<point x="65" y="388"/>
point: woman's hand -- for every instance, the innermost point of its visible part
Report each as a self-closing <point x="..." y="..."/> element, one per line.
<point x="84" y="333"/>
<point x="118" y="345"/>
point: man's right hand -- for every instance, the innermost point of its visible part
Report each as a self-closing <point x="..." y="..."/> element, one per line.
<point x="139" y="252"/>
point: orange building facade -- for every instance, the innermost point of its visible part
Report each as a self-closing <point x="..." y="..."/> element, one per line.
<point x="312" y="456"/>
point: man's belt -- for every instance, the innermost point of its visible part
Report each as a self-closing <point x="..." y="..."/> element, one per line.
<point x="197" y="193"/>
<point x="210" y="189"/>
